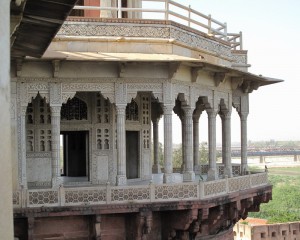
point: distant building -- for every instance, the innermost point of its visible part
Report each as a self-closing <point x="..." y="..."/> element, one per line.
<point x="256" y="229"/>
<point x="85" y="116"/>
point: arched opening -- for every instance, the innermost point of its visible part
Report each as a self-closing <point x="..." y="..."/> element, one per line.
<point x="74" y="143"/>
<point x="38" y="141"/>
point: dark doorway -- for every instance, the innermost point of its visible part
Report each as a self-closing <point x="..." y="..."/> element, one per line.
<point x="132" y="154"/>
<point x="75" y="154"/>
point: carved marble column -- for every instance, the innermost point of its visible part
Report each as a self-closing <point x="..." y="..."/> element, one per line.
<point x="212" y="173"/>
<point x="226" y="143"/>
<point x="188" y="174"/>
<point x="168" y="149"/>
<point x="244" y="162"/>
<point x="121" y="145"/>
<point x="156" y="166"/>
<point x="183" y="129"/>
<point x="196" y="143"/>
<point x="22" y="147"/>
<point x="55" y="145"/>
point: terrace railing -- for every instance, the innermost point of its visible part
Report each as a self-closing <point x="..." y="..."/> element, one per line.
<point x="151" y="193"/>
<point x="171" y="10"/>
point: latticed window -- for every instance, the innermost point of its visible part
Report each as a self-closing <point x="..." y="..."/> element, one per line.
<point x="102" y="109"/>
<point x="38" y="126"/>
<point x="132" y="111"/>
<point x="74" y="109"/>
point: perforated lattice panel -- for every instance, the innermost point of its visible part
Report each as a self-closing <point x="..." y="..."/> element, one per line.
<point x="43" y="197"/>
<point x="130" y="194"/>
<point x="214" y="187"/>
<point x="175" y="192"/>
<point x="259" y="179"/>
<point x="85" y="196"/>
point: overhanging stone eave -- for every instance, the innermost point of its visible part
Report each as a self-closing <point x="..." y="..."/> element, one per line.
<point x="247" y="76"/>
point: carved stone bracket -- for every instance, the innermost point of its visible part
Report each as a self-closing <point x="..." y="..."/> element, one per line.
<point x="249" y="86"/>
<point x="236" y="82"/>
<point x="173" y="69"/>
<point x="195" y="72"/>
<point x="219" y="77"/>
<point x="121" y="69"/>
<point x="19" y="65"/>
<point x="56" y="67"/>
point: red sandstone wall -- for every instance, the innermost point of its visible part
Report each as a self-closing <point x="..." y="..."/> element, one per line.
<point x="73" y="227"/>
<point x="91" y="13"/>
<point x="228" y="235"/>
<point x="113" y="227"/>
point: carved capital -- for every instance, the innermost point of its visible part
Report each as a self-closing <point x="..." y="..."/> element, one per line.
<point x="243" y="116"/>
<point x="225" y="115"/>
<point x="211" y="113"/>
<point x="188" y="111"/>
<point x="55" y="111"/>
<point x="23" y="110"/>
<point x="168" y="109"/>
<point x="120" y="108"/>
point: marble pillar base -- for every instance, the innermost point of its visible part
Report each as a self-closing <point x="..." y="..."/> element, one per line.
<point x="168" y="178"/>
<point x="212" y="174"/>
<point x="188" y="176"/>
<point x="56" y="182"/>
<point x="121" y="180"/>
<point x="245" y="170"/>
<point x="228" y="171"/>
<point x="156" y="168"/>
<point x="197" y="169"/>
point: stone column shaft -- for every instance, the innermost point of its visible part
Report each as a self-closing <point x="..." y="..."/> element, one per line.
<point x="226" y="143"/>
<point x="168" y="148"/>
<point x="212" y="171"/>
<point x="121" y="145"/>
<point x="244" y="162"/>
<point x="196" y="143"/>
<point x="156" y="165"/>
<point x="55" y="144"/>
<point x="188" y="174"/>
<point x="23" y="174"/>
<point x="183" y="152"/>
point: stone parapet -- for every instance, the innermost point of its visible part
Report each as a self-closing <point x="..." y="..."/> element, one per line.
<point x="152" y="193"/>
<point x="160" y="36"/>
<point x="168" y="217"/>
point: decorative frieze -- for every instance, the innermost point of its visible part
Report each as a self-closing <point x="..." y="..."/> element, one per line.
<point x="106" y="29"/>
<point x="162" y="31"/>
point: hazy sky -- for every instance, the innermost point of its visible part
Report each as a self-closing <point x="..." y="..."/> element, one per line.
<point x="271" y="34"/>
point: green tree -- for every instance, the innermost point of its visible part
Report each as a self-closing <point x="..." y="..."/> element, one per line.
<point x="177" y="157"/>
<point x="203" y="153"/>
